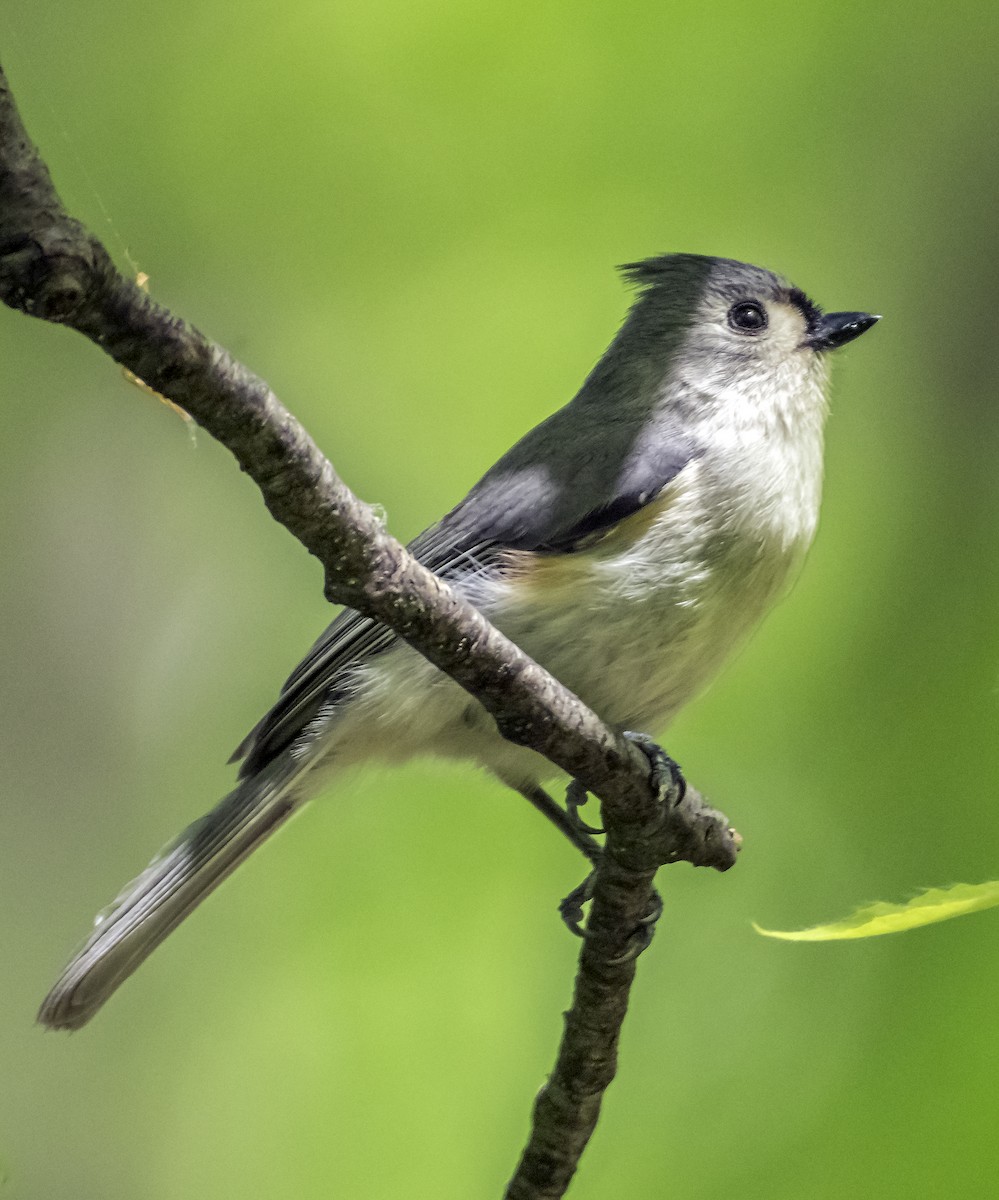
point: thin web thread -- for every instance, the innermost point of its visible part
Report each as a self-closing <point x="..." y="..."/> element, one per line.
<point x="61" y="129"/>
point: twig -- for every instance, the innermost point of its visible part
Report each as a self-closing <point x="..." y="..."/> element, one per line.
<point x="53" y="268"/>
<point x="567" y="1108"/>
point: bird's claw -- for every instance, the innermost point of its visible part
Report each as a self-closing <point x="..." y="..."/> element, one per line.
<point x="641" y="939"/>
<point x="666" y="776"/>
<point x="576" y="796"/>
<point x="571" y="908"/>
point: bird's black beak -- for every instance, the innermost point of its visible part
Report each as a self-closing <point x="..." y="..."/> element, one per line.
<point x="836" y="329"/>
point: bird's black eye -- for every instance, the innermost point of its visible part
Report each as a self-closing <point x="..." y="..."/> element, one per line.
<point x="747" y="317"/>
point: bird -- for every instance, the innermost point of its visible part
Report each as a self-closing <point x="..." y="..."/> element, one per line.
<point x="629" y="543"/>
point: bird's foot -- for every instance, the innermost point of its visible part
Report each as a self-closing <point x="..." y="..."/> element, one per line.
<point x="641" y="939"/>
<point x="666" y="777"/>
<point x="670" y="787"/>
<point x="571" y="911"/>
<point x="571" y="908"/>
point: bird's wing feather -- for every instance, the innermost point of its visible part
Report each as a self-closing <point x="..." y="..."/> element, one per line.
<point x="544" y="496"/>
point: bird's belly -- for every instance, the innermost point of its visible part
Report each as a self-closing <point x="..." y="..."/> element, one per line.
<point x="636" y="650"/>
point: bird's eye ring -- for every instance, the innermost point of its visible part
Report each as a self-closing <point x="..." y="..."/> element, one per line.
<point x="747" y="317"/>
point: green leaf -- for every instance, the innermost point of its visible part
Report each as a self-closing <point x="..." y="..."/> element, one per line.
<point x="935" y="904"/>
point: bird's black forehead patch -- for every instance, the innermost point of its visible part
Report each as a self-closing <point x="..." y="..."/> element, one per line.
<point x="808" y="308"/>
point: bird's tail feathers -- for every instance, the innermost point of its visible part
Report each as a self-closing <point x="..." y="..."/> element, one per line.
<point x="174" y="883"/>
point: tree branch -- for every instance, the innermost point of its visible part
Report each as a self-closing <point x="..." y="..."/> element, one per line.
<point x="53" y="268"/>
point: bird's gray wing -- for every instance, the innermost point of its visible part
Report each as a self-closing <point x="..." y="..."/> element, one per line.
<point x="559" y="490"/>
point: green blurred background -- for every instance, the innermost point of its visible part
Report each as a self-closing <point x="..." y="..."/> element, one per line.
<point x="406" y="217"/>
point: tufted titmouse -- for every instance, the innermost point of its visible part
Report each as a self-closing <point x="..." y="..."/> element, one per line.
<point x="628" y="544"/>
